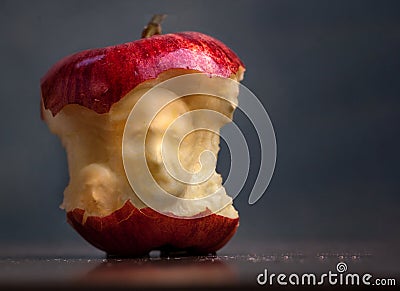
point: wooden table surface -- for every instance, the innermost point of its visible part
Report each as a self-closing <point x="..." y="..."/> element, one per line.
<point x="40" y="267"/>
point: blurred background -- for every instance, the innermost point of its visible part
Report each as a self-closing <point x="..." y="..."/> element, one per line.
<point x="326" y="71"/>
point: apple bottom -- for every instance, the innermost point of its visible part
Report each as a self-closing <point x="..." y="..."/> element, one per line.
<point x="130" y="231"/>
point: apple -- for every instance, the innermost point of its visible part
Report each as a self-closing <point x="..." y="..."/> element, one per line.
<point x="86" y="99"/>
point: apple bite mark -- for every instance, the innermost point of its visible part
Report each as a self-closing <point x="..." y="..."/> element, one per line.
<point x="98" y="183"/>
<point x="86" y="101"/>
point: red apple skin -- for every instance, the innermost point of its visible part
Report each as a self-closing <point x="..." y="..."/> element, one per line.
<point x="130" y="231"/>
<point x="98" y="78"/>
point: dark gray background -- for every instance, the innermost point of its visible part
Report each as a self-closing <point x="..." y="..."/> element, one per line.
<point x="326" y="71"/>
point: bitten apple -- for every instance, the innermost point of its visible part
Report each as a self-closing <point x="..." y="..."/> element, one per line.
<point x="86" y="100"/>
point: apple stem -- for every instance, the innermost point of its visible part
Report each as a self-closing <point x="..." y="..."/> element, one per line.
<point x="154" y="26"/>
